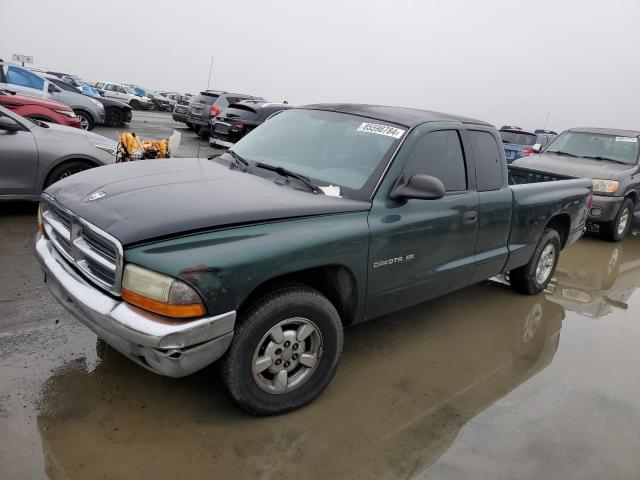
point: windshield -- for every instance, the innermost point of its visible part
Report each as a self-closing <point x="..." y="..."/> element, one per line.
<point x="328" y="147"/>
<point x="127" y="89"/>
<point x="517" y="138"/>
<point x="586" y="144"/>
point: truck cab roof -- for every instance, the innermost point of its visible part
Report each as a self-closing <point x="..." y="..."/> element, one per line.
<point x="408" y="117"/>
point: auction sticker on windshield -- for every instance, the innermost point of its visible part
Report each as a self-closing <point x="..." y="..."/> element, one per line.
<point x="627" y="139"/>
<point x="380" y="129"/>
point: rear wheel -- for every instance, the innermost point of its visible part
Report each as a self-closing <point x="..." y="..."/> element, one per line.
<point x="284" y="352"/>
<point x="86" y="122"/>
<point x="534" y="277"/>
<point x="617" y="229"/>
<point x="113" y="117"/>
<point x="66" y="170"/>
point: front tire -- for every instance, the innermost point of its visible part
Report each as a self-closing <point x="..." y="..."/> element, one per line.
<point x="617" y="229"/>
<point x="134" y="104"/>
<point x="66" y="170"/>
<point x="113" y="117"/>
<point x="534" y="277"/>
<point x="86" y="122"/>
<point x="284" y="352"/>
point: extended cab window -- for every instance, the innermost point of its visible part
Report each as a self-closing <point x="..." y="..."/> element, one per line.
<point x="439" y="154"/>
<point x="18" y="76"/>
<point x="487" y="160"/>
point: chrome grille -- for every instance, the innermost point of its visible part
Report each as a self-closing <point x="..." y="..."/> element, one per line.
<point x="94" y="252"/>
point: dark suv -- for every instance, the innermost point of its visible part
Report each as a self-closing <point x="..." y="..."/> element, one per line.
<point x="179" y="112"/>
<point x="239" y="119"/>
<point x="208" y="104"/>
<point x="610" y="158"/>
<point x="519" y="143"/>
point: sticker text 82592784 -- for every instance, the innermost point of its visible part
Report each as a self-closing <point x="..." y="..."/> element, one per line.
<point x="380" y="129"/>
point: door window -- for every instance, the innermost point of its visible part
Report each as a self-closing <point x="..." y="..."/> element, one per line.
<point x="487" y="160"/>
<point x="440" y="155"/>
<point x="24" y="78"/>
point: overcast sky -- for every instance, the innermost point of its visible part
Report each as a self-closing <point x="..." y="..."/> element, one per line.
<point x="507" y="62"/>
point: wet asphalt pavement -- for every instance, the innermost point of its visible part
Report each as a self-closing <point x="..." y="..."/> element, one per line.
<point x="479" y="384"/>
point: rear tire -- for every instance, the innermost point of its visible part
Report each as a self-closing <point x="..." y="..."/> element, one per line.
<point x="534" y="277"/>
<point x="284" y="352"/>
<point x="86" y="122"/>
<point x="66" y="170"/>
<point x="616" y="230"/>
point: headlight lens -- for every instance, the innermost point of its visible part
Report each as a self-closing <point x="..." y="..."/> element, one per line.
<point x="68" y="113"/>
<point x="110" y="149"/>
<point x="605" y="186"/>
<point x="160" y="293"/>
<point x="96" y="103"/>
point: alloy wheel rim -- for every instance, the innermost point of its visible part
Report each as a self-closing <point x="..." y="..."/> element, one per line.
<point x="68" y="173"/>
<point x="624" y="220"/>
<point x="287" y="355"/>
<point x="84" y="122"/>
<point x="545" y="263"/>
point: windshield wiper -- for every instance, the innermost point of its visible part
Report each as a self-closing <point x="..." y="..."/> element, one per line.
<point x="239" y="161"/>
<point x="606" y="159"/>
<point x="288" y="173"/>
<point x="566" y="154"/>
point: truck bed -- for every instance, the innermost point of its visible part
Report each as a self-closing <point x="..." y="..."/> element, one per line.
<point x="538" y="197"/>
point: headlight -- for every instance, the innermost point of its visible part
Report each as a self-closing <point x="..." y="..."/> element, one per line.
<point x="605" y="186"/>
<point x="160" y="293"/>
<point x="96" y="103"/>
<point x="110" y="149"/>
<point x="68" y="113"/>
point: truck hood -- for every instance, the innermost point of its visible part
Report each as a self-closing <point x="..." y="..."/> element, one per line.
<point x="574" y="167"/>
<point x="149" y="199"/>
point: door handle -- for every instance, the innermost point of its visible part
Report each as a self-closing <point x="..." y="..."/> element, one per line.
<point x="470" y="217"/>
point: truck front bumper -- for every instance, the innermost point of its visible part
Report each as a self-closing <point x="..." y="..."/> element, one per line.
<point x="604" y="208"/>
<point x="157" y="343"/>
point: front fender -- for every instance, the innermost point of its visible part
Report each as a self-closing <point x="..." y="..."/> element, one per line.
<point x="226" y="265"/>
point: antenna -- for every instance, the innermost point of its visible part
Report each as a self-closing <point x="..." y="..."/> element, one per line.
<point x="210" y="69"/>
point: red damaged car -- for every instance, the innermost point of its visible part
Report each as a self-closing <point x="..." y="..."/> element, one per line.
<point x="39" y="108"/>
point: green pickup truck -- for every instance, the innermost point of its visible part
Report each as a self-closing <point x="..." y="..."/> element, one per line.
<point x="323" y="217"/>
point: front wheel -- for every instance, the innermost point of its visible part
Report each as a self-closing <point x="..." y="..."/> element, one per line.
<point x="113" y="117"/>
<point x="284" y="352"/>
<point x="66" y="170"/>
<point x="534" y="277"/>
<point x="86" y="122"/>
<point x="617" y="229"/>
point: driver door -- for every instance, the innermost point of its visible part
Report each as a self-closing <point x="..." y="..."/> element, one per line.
<point x="420" y="249"/>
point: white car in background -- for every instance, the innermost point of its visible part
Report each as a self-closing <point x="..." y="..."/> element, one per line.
<point x="124" y="93"/>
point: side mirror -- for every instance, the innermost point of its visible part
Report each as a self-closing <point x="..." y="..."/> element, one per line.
<point x="419" y="186"/>
<point x="53" y="88"/>
<point x="537" y="148"/>
<point x="8" y="124"/>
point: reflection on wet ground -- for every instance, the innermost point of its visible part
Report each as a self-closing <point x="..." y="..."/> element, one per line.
<point x="483" y="383"/>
